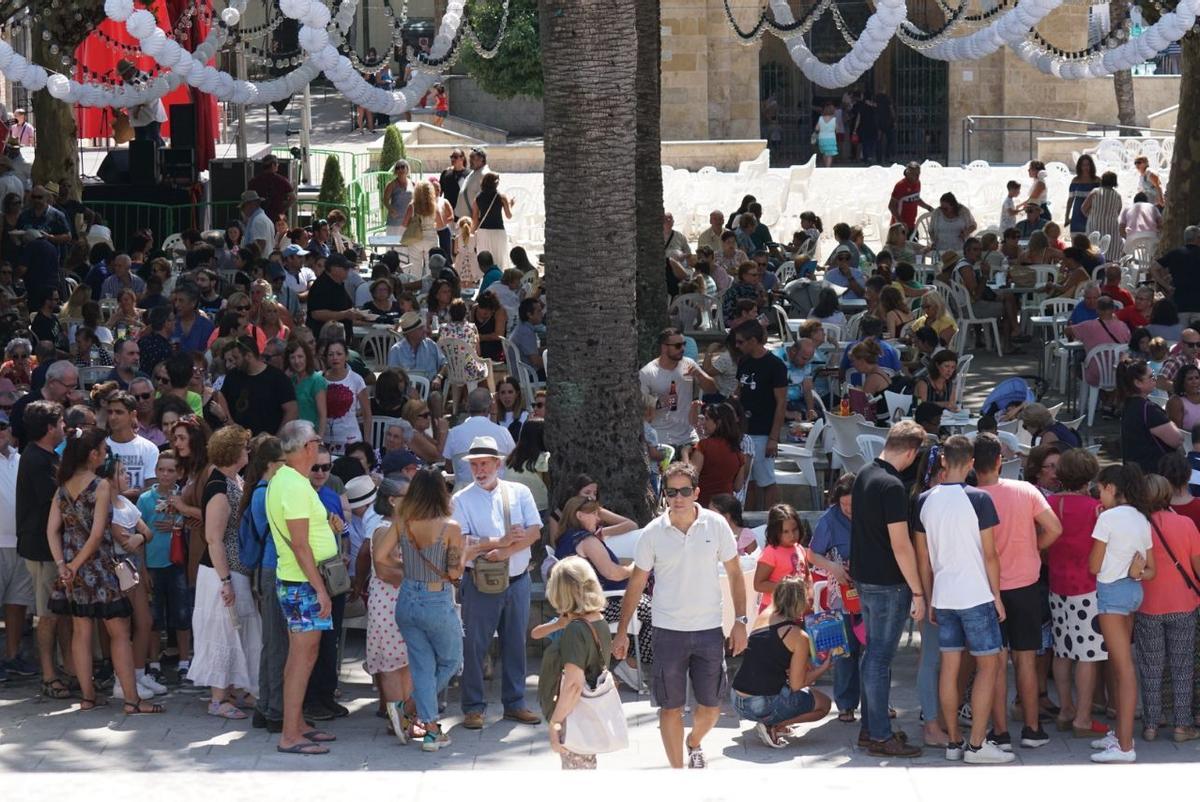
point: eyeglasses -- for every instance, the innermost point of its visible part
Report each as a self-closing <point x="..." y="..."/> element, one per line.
<point x="241" y="309"/>
<point x="425" y="415"/>
<point x="674" y="345"/>
<point x="323" y="468"/>
<point x="539" y="404"/>
<point x="143" y="396"/>
<point x="672" y="492"/>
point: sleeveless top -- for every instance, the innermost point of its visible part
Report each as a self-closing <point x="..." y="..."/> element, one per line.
<point x="489" y="349"/>
<point x="935" y="395"/>
<point x="428" y="226"/>
<point x="826" y="129"/>
<point x="416" y="568"/>
<point x="765" y="663"/>
<point x="568" y="545"/>
<point x="1152" y="193"/>
<point x="491" y="209"/>
<point x="1191" y="414"/>
<point x="398" y="202"/>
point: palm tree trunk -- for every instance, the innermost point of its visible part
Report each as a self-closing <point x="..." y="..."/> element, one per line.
<point x="594" y="421"/>
<point x="1183" y="190"/>
<point x="648" y="191"/>
<point x="1118" y="12"/>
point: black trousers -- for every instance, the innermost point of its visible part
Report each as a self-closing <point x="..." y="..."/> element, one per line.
<point x="324" y="678"/>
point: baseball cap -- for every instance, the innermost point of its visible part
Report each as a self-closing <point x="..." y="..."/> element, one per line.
<point x="294" y="250"/>
<point x="399" y="459"/>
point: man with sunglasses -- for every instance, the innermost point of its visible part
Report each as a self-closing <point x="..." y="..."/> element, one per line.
<point x="670" y="379"/>
<point x="1187" y="352"/>
<point x="683" y="547"/>
<point x="452" y="177"/>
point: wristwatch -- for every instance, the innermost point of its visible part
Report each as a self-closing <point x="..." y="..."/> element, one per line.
<point x="741" y="619"/>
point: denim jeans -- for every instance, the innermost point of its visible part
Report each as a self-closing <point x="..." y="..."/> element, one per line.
<point x="433" y="635"/>
<point x="928" y="671"/>
<point x="274" y="651"/>
<point x="485" y="614"/>
<point x="885" y="608"/>
<point x="846" y="683"/>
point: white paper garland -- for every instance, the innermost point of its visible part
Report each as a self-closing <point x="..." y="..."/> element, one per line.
<point x="879" y="30"/>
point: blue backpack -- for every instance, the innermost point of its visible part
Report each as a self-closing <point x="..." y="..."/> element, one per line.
<point x="251" y="542"/>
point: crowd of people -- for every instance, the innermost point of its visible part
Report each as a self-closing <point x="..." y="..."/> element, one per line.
<point x="199" y="459"/>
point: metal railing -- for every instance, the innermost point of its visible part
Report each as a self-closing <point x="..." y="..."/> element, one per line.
<point x="1033" y="127"/>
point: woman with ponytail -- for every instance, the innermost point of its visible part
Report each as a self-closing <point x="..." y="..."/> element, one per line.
<point x="1122" y="557"/>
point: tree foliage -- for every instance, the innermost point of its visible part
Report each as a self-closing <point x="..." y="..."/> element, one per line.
<point x="333" y="186"/>
<point x="517" y="67"/>
<point x="393" y="148"/>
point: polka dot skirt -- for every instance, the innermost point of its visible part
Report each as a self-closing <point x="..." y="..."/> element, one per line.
<point x="1076" y="628"/>
<point x="385" y="646"/>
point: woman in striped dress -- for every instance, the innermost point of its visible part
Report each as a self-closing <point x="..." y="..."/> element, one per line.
<point x="1103" y="209"/>
<point x="1082" y="184"/>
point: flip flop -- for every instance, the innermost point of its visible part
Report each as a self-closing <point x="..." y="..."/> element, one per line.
<point x="319" y="736"/>
<point x="306" y="748"/>
<point x="846" y="717"/>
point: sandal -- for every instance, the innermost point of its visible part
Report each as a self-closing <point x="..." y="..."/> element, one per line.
<point x="91" y="704"/>
<point x="1182" y="734"/>
<point x="138" y="708"/>
<point x="225" y="710"/>
<point x="303" y="748"/>
<point x="846" y="717"/>
<point x="245" y="702"/>
<point x="56" y="689"/>
<point x="1150" y="733"/>
<point x="319" y="736"/>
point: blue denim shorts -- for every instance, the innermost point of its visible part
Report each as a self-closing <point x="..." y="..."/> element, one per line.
<point x="1118" y="598"/>
<point x="301" y="610"/>
<point x="771" y="710"/>
<point x="976" y="629"/>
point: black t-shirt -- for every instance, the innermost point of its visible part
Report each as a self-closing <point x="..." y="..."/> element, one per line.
<point x="1137" y="444"/>
<point x="866" y="119"/>
<point x="879" y="499"/>
<point x="16" y="415"/>
<point x="1184" y="266"/>
<point x="46" y="328"/>
<point x="36" y="484"/>
<point x="256" y="402"/>
<point x="758" y="378"/>
<point x="327" y="294"/>
<point x="215" y="486"/>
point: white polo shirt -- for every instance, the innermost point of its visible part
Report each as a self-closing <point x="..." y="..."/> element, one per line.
<point x="8" y="499"/>
<point x="687" y="588"/>
<point x="458" y="442"/>
<point x="480" y="513"/>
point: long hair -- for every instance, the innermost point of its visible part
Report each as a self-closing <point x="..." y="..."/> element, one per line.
<point x="264" y="449"/>
<point x="427" y="497"/>
<point x="530" y="445"/>
<point x="198" y="434"/>
<point x="570" y="514"/>
<point x="424" y="199"/>
<point x="727" y="427"/>
<point x="1130" y="485"/>
<point x="777" y="516"/>
<point x="80" y="445"/>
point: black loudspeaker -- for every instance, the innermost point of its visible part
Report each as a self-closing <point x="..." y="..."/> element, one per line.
<point x="114" y="170"/>
<point x="179" y="165"/>
<point x="228" y="178"/>
<point x="143" y="163"/>
<point x="183" y="125"/>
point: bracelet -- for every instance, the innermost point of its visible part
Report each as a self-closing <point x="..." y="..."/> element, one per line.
<point x="918" y="595"/>
<point x="227" y="580"/>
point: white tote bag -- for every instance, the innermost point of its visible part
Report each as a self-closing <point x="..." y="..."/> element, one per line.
<point x="597" y="724"/>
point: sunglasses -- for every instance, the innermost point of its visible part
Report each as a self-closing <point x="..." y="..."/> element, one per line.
<point x="539" y="404"/>
<point x="323" y="468"/>
<point x="241" y="309"/>
<point x="143" y="396"/>
<point x="672" y="492"/>
<point x="673" y="345"/>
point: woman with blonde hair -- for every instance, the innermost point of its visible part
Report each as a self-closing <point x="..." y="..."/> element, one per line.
<point x="430" y="548"/>
<point x="428" y="435"/>
<point x="580" y="655"/>
<point x="424" y="209"/>
<point x="226" y="626"/>
<point x="935" y="315"/>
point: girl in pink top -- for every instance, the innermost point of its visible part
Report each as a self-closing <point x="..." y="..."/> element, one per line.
<point x="1165" y="625"/>
<point x="1077" y="638"/>
<point x="783" y="555"/>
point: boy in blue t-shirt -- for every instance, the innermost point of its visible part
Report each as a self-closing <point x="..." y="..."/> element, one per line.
<point x="171" y="604"/>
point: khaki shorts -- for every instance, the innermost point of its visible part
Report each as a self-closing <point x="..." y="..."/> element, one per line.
<point x="15" y="585"/>
<point x="44" y="575"/>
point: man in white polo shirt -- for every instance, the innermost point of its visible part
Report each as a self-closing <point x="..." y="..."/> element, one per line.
<point x="500" y="522"/>
<point x="683" y="547"/>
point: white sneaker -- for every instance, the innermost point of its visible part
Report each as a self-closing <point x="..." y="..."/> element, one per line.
<point x="696" y="759"/>
<point x="627" y="674"/>
<point x="954" y="751"/>
<point x="1110" y="739"/>
<point x="149" y="683"/>
<point x="1114" y="754"/>
<point x="142" y="693"/>
<point x="987" y="754"/>
<point x="395" y="714"/>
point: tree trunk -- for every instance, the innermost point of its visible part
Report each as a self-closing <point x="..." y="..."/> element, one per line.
<point x="1118" y="12"/>
<point x="56" y="156"/>
<point x="1183" y="189"/>
<point x="594" y="423"/>
<point x="648" y="191"/>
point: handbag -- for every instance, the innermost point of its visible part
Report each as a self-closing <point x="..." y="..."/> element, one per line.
<point x="122" y="129"/>
<point x="333" y="571"/>
<point x="412" y="232"/>
<point x="1178" y="566"/>
<point x="491" y="576"/>
<point x="178" y="547"/>
<point x="127" y="574"/>
<point x="596" y="725"/>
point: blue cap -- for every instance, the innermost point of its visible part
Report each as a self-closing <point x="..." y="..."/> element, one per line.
<point x="294" y="250"/>
<point x="398" y="460"/>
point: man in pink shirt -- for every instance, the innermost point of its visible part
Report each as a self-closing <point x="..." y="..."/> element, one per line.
<point x="1026" y="523"/>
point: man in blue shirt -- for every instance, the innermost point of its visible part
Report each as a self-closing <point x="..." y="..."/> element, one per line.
<point x="843" y="272"/>
<point x="525" y="338"/>
<point x="192" y="328"/>
<point x="415" y="352"/>
<point x="1086" y="308"/>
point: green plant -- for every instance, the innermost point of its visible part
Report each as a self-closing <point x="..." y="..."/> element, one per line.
<point x="393" y="148"/>
<point x="333" y="186"/>
<point x="517" y="67"/>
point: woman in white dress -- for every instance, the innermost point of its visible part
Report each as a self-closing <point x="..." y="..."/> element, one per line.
<point x="1103" y="209"/>
<point x="424" y="208"/>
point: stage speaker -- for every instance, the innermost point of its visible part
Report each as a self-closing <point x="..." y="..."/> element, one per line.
<point x="179" y="165"/>
<point x="183" y="125"/>
<point x="228" y="179"/>
<point x="114" y="170"/>
<point x="143" y="163"/>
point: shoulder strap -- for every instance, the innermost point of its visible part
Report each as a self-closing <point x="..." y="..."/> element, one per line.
<point x="596" y="640"/>
<point x="507" y="509"/>
<point x="1182" y="572"/>
<point x="1111" y="336"/>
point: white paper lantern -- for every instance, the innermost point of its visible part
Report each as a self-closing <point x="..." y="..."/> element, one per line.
<point x="59" y="86"/>
<point x="141" y="24"/>
<point x="231" y="16"/>
<point x="118" y="10"/>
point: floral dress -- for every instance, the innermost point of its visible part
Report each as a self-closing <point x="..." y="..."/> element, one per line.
<point x="94" y="592"/>
<point x="475" y="368"/>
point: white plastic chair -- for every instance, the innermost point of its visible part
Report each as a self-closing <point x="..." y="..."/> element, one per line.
<point x="870" y="445"/>
<point x="897" y="401"/>
<point x="967" y="317"/>
<point x="379" y="425"/>
<point x="375" y="347"/>
<point x="420" y="384"/>
<point x="1106" y="358"/>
